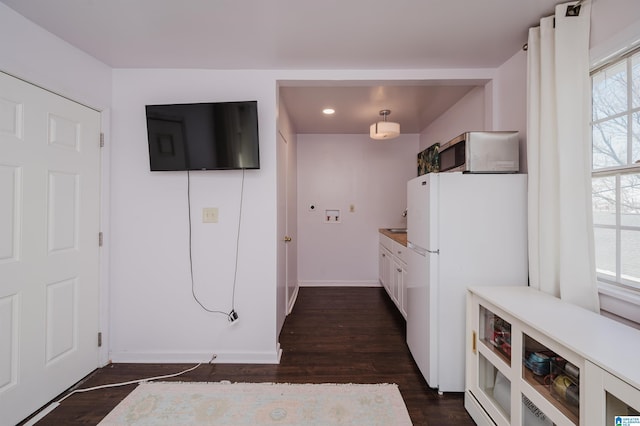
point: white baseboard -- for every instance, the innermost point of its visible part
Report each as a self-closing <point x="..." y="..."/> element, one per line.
<point x="292" y="299"/>
<point x="328" y="283"/>
<point x="222" y="357"/>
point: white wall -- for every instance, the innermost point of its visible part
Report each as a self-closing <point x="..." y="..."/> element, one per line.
<point x="335" y="172"/>
<point x="509" y="92"/>
<point x="35" y="55"/>
<point x="499" y="105"/>
<point x="467" y="114"/>
<point x="154" y="316"/>
<point x="612" y="18"/>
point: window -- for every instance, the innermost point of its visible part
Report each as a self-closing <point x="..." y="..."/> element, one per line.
<point x="616" y="171"/>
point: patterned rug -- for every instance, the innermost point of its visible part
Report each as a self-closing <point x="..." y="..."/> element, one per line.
<point x="258" y="404"/>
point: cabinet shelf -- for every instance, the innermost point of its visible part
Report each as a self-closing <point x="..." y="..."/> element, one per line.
<point x="543" y="389"/>
<point x="497" y="352"/>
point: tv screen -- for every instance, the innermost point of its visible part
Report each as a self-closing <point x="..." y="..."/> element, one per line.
<point x="203" y="136"/>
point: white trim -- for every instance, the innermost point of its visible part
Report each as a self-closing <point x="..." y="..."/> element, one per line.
<point x="105" y="228"/>
<point x="195" y="357"/>
<point x="330" y="283"/>
<point x="620" y="302"/>
<point x="293" y="299"/>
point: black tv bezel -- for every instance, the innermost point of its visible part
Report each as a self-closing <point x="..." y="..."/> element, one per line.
<point x="188" y="167"/>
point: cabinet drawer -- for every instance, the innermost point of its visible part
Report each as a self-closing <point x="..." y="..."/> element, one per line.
<point x="399" y="251"/>
<point x="386" y="242"/>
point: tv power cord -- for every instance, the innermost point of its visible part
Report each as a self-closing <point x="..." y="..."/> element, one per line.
<point x="232" y="316"/>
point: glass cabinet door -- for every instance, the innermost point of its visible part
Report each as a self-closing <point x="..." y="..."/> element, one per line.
<point x="553" y="377"/>
<point x="495" y="386"/>
<point x="494" y="355"/>
<point x="495" y="333"/>
<point x="532" y="415"/>
<point x="620" y="412"/>
<point x="611" y="401"/>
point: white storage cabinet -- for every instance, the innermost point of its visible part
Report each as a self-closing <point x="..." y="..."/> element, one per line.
<point x="532" y="359"/>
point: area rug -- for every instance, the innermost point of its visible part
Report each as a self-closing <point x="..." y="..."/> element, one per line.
<point x="257" y="404"/>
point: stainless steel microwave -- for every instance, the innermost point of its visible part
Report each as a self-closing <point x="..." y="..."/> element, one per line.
<point x="481" y="152"/>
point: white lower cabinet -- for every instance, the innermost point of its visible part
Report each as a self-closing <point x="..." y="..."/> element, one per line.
<point x="392" y="268"/>
<point x="532" y="359"/>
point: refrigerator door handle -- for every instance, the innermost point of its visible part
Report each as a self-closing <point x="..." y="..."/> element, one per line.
<point x="421" y="251"/>
<point x="416" y="248"/>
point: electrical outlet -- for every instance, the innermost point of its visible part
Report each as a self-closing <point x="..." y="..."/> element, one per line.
<point x="210" y="215"/>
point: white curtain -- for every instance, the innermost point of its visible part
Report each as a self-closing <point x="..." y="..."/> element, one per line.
<point x="561" y="250"/>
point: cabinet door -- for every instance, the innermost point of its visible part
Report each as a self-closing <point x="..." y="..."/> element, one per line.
<point x="489" y="362"/>
<point x="381" y="261"/>
<point x="384" y="267"/>
<point x="609" y="400"/>
<point x="403" y="291"/>
<point x="396" y="282"/>
<point x="552" y="377"/>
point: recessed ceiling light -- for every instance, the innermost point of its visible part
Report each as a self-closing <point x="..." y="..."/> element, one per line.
<point x="328" y="111"/>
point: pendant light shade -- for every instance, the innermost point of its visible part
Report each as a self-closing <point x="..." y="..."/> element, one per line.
<point x="384" y="129"/>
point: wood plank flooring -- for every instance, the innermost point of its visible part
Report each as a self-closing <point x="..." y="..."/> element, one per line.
<point x="333" y="335"/>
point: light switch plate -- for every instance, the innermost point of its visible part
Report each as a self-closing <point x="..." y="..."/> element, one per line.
<point x="210" y="215"/>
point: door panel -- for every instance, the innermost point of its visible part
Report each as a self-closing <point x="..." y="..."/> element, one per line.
<point x="63" y="202"/>
<point x="8" y="341"/>
<point x="10" y="184"/>
<point x="292" y="228"/>
<point x="49" y="255"/>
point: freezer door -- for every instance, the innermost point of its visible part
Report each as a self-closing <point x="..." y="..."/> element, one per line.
<point x="422" y="312"/>
<point x="422" y="196"/>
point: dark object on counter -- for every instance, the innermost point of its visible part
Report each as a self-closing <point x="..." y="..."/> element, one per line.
<point x="429" y="160"/>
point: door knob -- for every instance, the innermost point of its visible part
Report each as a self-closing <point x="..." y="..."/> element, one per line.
<point x="287" y="238"/>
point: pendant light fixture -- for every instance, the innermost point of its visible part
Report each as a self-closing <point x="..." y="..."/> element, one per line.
<point x="384" y="129"/>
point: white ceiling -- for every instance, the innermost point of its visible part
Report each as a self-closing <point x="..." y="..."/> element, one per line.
<point x="413" y="104"/>
<point x="304" y="34"/>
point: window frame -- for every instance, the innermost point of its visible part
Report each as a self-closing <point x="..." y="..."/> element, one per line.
<point x="618" y="295"/>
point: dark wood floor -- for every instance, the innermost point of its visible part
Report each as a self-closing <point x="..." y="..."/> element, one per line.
<point x="333" y="335"/>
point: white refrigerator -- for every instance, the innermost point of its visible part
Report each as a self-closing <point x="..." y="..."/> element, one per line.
<point x="463" y="230"/>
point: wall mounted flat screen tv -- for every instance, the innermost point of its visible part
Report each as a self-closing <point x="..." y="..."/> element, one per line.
<point x="203" y="136"/>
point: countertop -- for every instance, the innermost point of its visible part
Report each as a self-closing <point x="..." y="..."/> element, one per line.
<point x="399" y="237"/>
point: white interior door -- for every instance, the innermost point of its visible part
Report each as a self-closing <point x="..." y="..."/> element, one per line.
<point x="287" y="260"/>
<point x="281" y="151"/>
<point x="49" y="255"/>
<point x="292" y="228"/>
